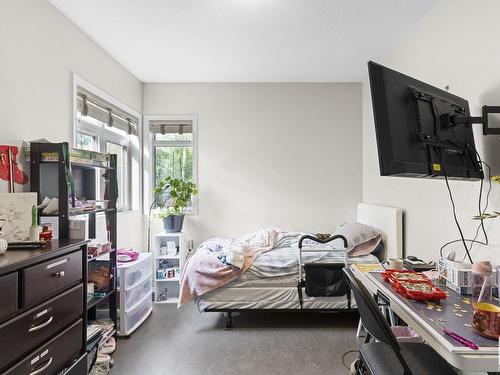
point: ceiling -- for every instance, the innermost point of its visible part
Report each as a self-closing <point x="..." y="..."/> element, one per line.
<point x="246" y="40"/>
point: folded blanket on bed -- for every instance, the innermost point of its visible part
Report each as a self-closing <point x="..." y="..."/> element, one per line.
<point x="206" y="271"/>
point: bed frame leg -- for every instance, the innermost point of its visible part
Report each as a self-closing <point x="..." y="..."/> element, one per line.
<point x="229" y="320"/>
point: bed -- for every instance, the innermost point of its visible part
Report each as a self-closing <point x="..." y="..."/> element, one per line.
<point x="271" y="282"/>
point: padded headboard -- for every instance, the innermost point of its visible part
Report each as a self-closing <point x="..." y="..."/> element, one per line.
<point x="389" y="220"/>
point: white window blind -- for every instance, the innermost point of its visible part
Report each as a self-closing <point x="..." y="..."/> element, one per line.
<point x="99" y="109"/>
<point x="171" y="127"/>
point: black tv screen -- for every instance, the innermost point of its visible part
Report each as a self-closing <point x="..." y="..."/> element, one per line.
<point x="415" y="136"/>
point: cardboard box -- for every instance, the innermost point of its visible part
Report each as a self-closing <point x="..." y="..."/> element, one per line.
<point x="79" y="228"/>
<point x="455" y="273"/>
<point x="458" y="276"/>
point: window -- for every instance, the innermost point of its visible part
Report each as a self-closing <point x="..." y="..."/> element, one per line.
<point x="122" y="170"/>
<point x="104" y="128"/>
<point x="173" y="158"/>
<point x="173" y="149"/>
<point x="85" y="141"/>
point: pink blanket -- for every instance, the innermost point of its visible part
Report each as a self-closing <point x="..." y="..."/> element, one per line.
<point x="204" y="271"/>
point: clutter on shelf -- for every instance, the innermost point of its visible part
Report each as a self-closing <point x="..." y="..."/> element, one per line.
<point x="97" y="248"/>
<point x="100" y="345"/>
<point x="47" y="232"/>
<point x="76" y="156"/>
<point x="100" y="274"/>
<point x="127" y="255"/>
<point x="166" y="270"/>
<point x="51" y="205"/>
<point x="163" y="295"/>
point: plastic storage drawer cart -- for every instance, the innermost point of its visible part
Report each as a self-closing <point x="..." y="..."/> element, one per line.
<point x="135" y="289"/>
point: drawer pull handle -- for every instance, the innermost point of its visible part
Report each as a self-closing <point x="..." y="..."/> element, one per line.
<point x="43" y="368"/>
<point x="58" y="263"/>
<point x="40" y="326"/>
<point x="60" y="274"/>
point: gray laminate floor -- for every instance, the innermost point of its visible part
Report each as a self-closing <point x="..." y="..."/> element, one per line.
<point x="185" y="342"/>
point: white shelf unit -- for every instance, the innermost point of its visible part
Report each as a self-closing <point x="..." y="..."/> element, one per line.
<point x="168" y="286"/>
<point x="135" y="290"/>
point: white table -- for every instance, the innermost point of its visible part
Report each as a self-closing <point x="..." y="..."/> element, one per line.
<point x="486" y="359"/>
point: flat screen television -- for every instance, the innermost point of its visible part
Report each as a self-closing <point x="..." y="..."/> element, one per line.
<point x="415" y="128"/>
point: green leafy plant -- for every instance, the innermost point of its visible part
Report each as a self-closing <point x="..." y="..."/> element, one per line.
<point x="486" y="215"/>
<point x="180" y="192"/>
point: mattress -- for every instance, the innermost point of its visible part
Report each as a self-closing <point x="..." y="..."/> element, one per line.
<point x="269" y="298"/>
<point x="277" y="292"/>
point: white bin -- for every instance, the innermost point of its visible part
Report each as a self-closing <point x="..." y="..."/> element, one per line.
<point x="135" y="288"/>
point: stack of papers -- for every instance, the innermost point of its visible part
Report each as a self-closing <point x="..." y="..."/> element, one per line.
<point x="368" y="267"/>
<point x="93" y="330"/>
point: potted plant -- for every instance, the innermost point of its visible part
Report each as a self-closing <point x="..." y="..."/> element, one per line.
<point x="179" y="194"/>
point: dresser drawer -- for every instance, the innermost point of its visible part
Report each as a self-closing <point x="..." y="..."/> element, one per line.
<point x="8" y="295"/>
<point x="78" y="368"/>
<point x="51" y="358"/>
<point x="24" y="333"/>
<point x="47" y="279"/>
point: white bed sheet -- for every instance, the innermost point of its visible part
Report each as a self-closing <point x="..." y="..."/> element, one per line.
<point x="266" y="274"/>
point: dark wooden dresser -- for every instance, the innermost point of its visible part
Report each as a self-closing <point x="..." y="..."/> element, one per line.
<point x="43" y="310"/>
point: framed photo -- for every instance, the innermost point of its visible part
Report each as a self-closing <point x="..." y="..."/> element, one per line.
<point x="15" y="209"/>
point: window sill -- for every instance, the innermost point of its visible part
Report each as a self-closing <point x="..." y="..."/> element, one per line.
<point x="191" y="212"/>
<point x="129" y="212"/>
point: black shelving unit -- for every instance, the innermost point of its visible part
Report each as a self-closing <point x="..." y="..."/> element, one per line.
<point x="51" y="178"/>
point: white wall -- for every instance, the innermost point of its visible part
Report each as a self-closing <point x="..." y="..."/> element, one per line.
<point x="283" y="155"/>
<point x="458" y="44"/>
<point x="40" y="49"/>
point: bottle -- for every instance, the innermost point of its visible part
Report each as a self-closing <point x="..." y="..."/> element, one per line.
<point x="482" y="283"/>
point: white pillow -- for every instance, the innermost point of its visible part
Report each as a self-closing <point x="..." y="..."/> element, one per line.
<point x="361" y="239"/>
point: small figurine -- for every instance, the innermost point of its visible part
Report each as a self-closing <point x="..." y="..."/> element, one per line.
<point x="35" y="229"/>
<point x="163" y="297"/>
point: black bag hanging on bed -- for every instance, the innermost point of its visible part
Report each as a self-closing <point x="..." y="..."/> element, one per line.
<point x="324" y="279"/>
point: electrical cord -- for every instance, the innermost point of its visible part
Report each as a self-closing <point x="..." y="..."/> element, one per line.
<point x="345" y="354"/>
<point x="460" y="240"/>
<point x="481" y="213"/>
<point x="481" y="224"/>
<point x="454" y="209"/>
